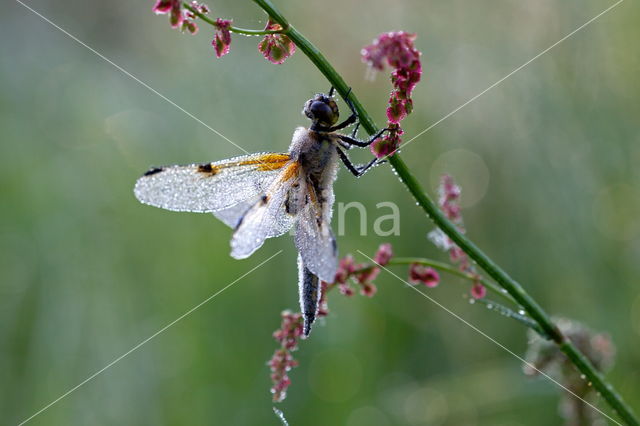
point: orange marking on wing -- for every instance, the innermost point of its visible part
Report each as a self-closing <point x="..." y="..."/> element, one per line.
<point x="312" y="193"/>
<point x="290" y="171"/>
<point x="267" y="161"/>
<point x="313" y="197"/>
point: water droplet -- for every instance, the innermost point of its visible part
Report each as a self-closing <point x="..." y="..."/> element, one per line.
<point x="589" y="384"/>
<point x="521" y="312"/>
<point x="489" y="306"/>
<point x="472" y="301"/>
<point x="582" y="376"/>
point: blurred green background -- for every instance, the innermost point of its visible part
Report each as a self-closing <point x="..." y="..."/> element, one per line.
<point x="548" y="161"/>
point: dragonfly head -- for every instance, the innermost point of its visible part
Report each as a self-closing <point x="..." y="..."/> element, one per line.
<point x="322" y="110"/>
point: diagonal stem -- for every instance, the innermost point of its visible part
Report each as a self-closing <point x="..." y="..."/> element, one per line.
<point x="433" y="212"/>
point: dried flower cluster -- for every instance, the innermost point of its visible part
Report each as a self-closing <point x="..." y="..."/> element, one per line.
<point x="398" y="51"/>
<point x="449" y="197"/>
<point x="276" y="48"/>
<point x="544" y="355"/>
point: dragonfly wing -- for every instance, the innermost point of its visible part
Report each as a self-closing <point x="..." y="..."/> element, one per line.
<point x="232" y="216"/>
<point x="315" y="241"/>
<point x="212" y="186"/>
<point x="268" y="217"/>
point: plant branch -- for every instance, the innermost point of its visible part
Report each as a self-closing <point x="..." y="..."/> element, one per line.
<point x="509" y="313"/>
<point x="233" y="29"/>
<point x="445" y="267"/>
<point x="492" y="269"/>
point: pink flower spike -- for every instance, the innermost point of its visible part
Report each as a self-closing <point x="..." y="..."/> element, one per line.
<point x="282" y="361"/>
<point x="383" y="255"/>
<point x="478" y="291"/>
<point x="276" y="48"/>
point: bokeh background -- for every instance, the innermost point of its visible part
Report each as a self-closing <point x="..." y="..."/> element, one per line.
<point x="548" y="161"/>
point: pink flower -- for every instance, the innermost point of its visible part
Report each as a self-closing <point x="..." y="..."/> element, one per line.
<point x="345" y="289"/>
<point x="396" y="48"/>
<point x="200" y="7"/>
<point x="290" y="330"/>
<point x="222" y="40"/>
<point x="179" y="17"/>
<point x="323" y="308"/>
<point x="346" y="266"/>
<point x="276" y="48"/>
<point x="478" y="291"/>
<point x="282" y="361"/>
<point x="367" y="275"/>
<point x="189" y="25"/>
<point x="164" y="6"/>
<point x="383" y="255"/>
<point x="449" y="191"/>
<point x="448" y="200"/>
<point x="368" y="289"/>
<point x="389" y="143"/>
<point x="397" y="109"/>
<point x="423" y="274"/>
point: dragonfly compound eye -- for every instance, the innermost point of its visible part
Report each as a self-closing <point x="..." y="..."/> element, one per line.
<point x="322" y="110"/>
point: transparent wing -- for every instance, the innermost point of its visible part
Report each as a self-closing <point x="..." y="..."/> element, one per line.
<point x="231" y="216"/>
<point x="212" y="186"/>
<point x="314" y="239"/>
<point x="269" y="216"/>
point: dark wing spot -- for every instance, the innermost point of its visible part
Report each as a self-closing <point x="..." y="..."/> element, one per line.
<point x="265" y="198"/>
<point x="153" y="171"/>
<point x="208" y="169"/>
<point x="287" y="205"/>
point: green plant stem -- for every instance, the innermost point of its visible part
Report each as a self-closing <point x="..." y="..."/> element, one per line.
<point x="509" y="313"/>
<point x="492" y="269"/>
<point x="445" y="267"/>
<point x="233" y="29"/>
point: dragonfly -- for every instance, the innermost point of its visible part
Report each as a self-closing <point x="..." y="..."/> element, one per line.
<point x="267" y="194"/>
